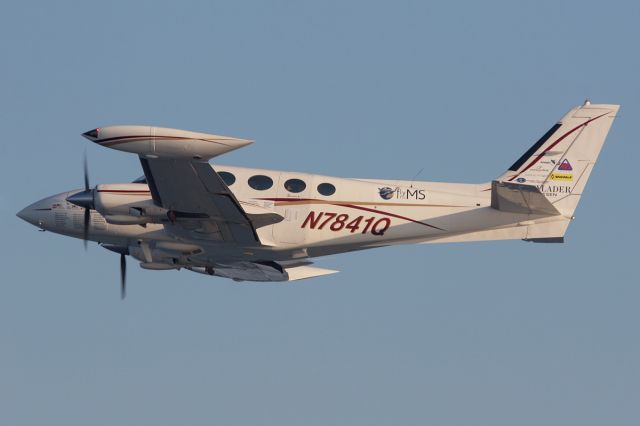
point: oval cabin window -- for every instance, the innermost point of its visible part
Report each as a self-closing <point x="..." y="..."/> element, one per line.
<point x="295" y="185"/>
<point x="227" y="178"/>
<point x="326" y="189"/>
<point x="260" y="182"/>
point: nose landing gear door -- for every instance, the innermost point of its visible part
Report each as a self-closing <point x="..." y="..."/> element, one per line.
<point x="293" y="192"/>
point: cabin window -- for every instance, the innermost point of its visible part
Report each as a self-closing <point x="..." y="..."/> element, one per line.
<point x="326" y="189"/>
<point x="295" y="185"/>
<point x="260" y="182"/>
<point x="227" y="178"/>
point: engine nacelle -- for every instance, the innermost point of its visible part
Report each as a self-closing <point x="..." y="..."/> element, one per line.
<point x="121" y="219"/>
<point x="156" y="266"/>
<point x="127" y="204"/>
<point x="160" y="142"/>
<point x="161" y="254"/>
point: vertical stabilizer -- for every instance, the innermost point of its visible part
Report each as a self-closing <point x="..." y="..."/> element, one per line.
<point x="560" y="162"/>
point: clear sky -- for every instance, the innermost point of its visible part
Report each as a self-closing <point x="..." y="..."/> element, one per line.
<point x="496" y="333"/>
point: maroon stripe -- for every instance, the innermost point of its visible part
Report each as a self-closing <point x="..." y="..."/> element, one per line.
<point x="122" y="139"/>
<point x="560" y="139"/>
<point x="286" y="199"/>
<point x="353" y="206"/>
<point x="123" y="191"/>
<point x="149" y="137"/>
<point x="117" y="141"/>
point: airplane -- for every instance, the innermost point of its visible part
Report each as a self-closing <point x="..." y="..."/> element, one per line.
<point x="251" y="224"/>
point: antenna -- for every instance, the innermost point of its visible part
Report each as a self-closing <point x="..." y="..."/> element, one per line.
<point x="415" y="176"/>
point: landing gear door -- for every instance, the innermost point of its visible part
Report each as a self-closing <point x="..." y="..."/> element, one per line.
<point x="293" y="191"/>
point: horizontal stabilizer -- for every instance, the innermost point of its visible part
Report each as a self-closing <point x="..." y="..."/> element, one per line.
<point x="303" y="272"/>
<point x="553" y="240"/>
<point x="518" y="198"/>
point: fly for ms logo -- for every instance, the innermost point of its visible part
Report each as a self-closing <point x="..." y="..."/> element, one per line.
<point x="387" y="193"/>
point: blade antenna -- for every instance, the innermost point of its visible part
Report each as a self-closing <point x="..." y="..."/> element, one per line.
<point x="413" y="179"/>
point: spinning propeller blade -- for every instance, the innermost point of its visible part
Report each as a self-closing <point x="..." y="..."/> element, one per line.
<point x="87" y="212"/>
<point x="85" y="229"/>
<point x="86" y="173"/>
<point x="123" y="276"/>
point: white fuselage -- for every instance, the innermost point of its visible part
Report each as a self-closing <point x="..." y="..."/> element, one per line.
<point x="359" y="214"/>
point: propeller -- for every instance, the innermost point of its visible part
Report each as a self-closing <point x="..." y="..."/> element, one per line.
<point x="86" y="172"/>
<point x="84" y="199"/>
<point x="85" y="229"/>
<point x="123" y="251"/>
<point x="87" y="212"/>
<point x="123" y="276"/>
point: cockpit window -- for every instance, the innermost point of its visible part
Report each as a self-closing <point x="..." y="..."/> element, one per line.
<point x="260" y="182"/>
<point x="295" y="185"/>
<point x="227" y="177"/>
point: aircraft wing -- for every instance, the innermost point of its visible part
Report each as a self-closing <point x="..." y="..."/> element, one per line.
<point x="181" y="180"/>
<point x="200" y="202"/>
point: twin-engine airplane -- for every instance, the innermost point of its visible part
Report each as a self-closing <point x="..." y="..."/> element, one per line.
<point x="264" y="225"/>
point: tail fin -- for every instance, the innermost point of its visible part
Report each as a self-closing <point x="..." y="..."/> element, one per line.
<point x="560" y="162"/>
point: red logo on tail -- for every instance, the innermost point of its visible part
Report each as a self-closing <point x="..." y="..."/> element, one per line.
<point x="565" y="166"/>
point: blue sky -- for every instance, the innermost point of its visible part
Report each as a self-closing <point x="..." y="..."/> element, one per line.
<point x="496" y="333"/>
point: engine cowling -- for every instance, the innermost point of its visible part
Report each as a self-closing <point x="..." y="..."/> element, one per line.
<point x="127" y="204"/>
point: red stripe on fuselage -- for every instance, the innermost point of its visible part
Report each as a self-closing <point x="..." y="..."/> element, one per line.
<point x="124" y="191"/>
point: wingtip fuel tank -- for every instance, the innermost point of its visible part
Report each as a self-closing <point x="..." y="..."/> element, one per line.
<point x="161" y="142"/>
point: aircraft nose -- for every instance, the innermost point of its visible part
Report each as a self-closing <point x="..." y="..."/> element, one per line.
<point x="37" y="213"/>
<point x="29" y="214"/>
<point x="24" y="214"/>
